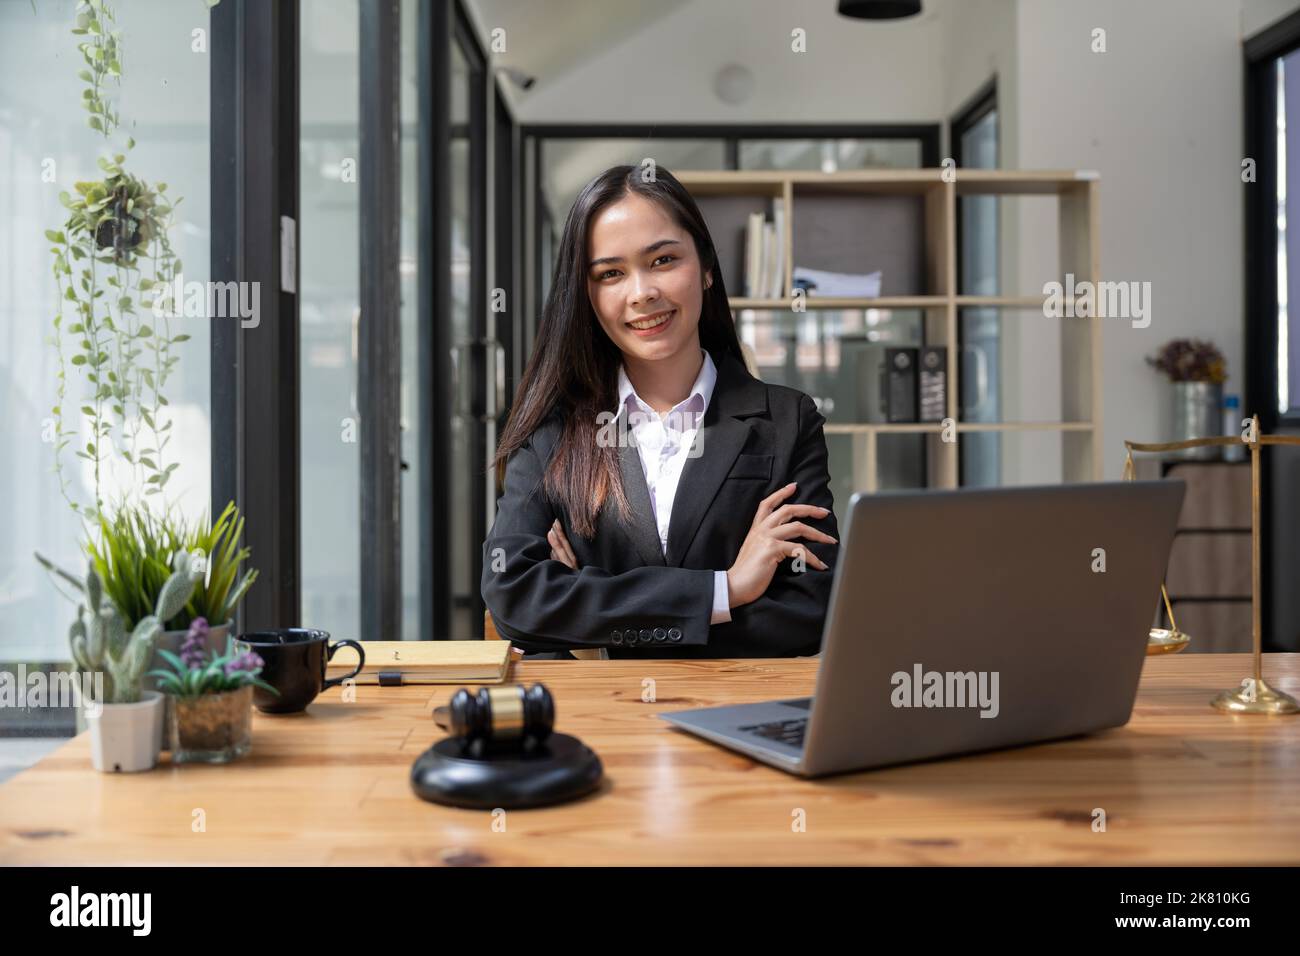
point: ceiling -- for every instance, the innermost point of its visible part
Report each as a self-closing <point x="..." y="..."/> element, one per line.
<point x="548" y="39"/>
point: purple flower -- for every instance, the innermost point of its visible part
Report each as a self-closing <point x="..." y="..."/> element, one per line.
<point x="1190" y="360"/>
<point x="194" y="649"/>
<point x="248" y="662"/>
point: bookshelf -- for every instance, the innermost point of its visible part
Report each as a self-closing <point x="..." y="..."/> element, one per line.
<point x="851" y="221"/>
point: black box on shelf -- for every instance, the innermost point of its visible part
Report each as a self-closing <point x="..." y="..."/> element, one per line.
<point x="899" y="384"/>
<point x="932" y="382"/>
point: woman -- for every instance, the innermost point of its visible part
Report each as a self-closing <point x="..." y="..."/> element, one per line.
<point x="659" y="501"/>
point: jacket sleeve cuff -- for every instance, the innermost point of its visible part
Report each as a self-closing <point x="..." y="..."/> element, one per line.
<point x="721" y="599"/>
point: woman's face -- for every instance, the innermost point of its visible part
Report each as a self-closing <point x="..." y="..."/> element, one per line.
<point x="644" y="279"/>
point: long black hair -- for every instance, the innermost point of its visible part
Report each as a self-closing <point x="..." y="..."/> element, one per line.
<point x="574" y="366"/>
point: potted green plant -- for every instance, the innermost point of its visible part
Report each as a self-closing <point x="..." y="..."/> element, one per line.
<point x="133" y="554"/>
<point x="225" y="579"/>
<point x="125" y="718"/>
<point x="211" y="717"/>
<point x="135" y="549"/>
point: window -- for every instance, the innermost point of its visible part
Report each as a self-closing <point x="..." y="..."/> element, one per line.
<point x="831" y="155"/>
<point x="1287" y="334"/>
<point x="1271" y="191"/>
<point x="1271" y="184"/>
<point x="329" y="297"/>
<point x="46" y="147"/>
<point x="974" y="136"/>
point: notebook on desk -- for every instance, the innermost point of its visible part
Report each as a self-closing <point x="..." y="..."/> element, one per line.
<point x="426" y="662"/>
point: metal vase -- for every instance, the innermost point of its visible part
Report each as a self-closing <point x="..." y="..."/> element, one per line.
<point x="1197" y="414"/>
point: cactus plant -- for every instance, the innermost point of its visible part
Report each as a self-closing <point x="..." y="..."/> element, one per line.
<point x="99" y="639"/>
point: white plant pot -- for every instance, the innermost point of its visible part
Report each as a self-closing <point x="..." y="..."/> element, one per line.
<point x="124" y="738"/>
<point x="172" y="641"/>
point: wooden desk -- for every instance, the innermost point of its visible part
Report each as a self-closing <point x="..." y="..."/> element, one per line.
<point x="1181" y="784"/>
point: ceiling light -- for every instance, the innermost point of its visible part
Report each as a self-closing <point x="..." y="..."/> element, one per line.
<point x="879" y="9"/>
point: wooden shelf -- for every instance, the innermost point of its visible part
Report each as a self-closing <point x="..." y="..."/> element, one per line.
<point x="898" y="428"/>
<point x="815" y="302"/>
<point x="900" y="302"/>
<point x="903" y="221"/>
<point x="967" y="181"/>
<point x="773" y="182"/>
<point x="1024" y="426"/>
<point x="1001" y="301"/>
<point x="1002" y="182"/>
<point x="921" y="428"/>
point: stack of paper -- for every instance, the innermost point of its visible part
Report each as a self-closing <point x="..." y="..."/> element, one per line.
<point x="840" y="285"/>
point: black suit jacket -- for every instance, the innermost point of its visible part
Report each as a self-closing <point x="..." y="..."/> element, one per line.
<point x="626" y="595"/>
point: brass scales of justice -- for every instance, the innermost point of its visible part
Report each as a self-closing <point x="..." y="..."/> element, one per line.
<point x="1254" y="696"/>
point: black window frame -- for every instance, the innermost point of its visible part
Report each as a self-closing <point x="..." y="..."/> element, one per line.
<point x="255" y="392"/>
<point x="1259" y="249"/>
<point x="253" y="149"/>
<point x="1260" y="264"/>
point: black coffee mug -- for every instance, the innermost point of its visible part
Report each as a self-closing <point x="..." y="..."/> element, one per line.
<point x="293" y="662"/>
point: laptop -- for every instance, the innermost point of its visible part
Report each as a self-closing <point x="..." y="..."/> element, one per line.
<point x="970" y="620"/>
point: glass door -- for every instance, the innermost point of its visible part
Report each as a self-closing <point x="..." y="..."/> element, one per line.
<point x="444" y="373"/>
<point x="474" y="355"/>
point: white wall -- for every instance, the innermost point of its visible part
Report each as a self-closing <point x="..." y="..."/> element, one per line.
<point x="1159" y="115"/>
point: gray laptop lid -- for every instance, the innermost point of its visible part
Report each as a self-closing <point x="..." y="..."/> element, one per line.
<point x="1035" y="602"/>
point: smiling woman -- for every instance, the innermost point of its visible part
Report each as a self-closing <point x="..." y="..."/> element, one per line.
<point x="658" y="499"/>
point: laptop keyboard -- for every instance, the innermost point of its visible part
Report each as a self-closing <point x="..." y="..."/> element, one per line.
<point x="789" y="732"/>
<point x="782" y="731"/>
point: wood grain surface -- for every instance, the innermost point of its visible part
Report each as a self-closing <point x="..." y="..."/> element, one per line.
<point x="1180" y="784"/>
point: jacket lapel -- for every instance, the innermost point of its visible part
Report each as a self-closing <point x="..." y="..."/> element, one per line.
<point x="722" y="435"/>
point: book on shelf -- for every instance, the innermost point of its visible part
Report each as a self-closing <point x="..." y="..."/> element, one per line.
<point x="765" y="253"/>
<point x="753" y="254"/>
<point x="776" y="281"/>
<point x="769" y="260"/>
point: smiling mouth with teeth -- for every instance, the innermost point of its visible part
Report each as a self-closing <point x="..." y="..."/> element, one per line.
<point x="643" y="324"/>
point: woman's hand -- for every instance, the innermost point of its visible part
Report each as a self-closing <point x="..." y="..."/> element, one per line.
<point x="769" y="543"/>
<point x="560" y="549"/>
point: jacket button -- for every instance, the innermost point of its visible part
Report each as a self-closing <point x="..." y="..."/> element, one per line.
<point x="674" y="633"/>
<point x="646" y="636"/>
<point x="660" y="635"/>
<point x="617" y="637"/>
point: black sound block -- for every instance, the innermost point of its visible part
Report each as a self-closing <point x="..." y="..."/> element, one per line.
<point x="560" y="769"/>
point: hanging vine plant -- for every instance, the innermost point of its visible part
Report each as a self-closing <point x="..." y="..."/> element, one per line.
<point x="111" y="258"/>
